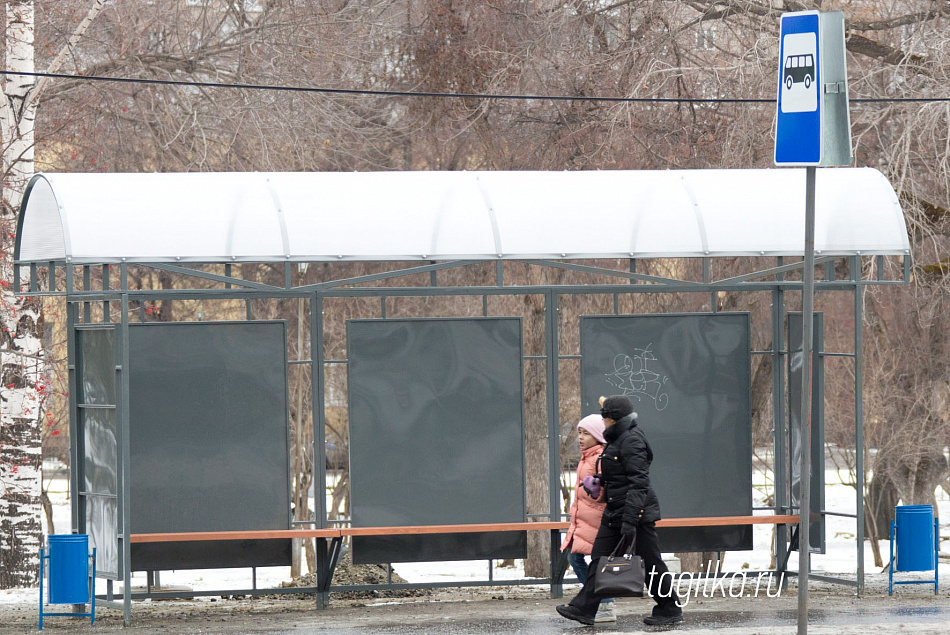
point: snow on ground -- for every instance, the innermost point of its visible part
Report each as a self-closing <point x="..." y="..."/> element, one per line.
<point x="840" y="533"/>
<point x="841" y="556"/>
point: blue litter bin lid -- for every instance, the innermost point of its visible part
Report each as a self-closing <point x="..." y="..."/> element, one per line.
<point x="911" y="509"/>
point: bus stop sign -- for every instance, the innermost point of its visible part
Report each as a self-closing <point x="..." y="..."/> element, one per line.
<point x="813" y="125"/>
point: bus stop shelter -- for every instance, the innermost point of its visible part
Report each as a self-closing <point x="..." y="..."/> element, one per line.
<point x="79" y="235"/>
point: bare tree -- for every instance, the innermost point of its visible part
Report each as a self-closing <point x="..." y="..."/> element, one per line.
<point x="701" y="49"/>
<point x="25" y="374"/>
<point x="897" y="50"/>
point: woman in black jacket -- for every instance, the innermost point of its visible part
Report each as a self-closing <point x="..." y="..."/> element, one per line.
<point x="632" y="508"/>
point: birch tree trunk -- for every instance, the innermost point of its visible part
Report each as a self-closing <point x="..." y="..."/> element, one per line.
<point x="20" y="348"/>
<point x="25" y="367"/>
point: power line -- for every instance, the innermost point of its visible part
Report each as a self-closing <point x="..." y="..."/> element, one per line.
<point x="406" y="93"/>
<point x="382" y="93"/>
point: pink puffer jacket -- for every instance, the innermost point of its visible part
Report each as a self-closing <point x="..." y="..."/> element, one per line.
<point x="585" y="511"/>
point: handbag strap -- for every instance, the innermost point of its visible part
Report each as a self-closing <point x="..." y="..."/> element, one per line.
<point x="630" y="550"/>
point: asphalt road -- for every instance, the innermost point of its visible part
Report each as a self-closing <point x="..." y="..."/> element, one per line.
<point x="503" y="611"/>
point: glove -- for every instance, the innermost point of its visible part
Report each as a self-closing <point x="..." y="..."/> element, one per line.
<point x="629" y="533"/>
<point x="591" y="485"/>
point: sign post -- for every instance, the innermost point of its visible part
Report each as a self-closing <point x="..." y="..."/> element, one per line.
<point x="813" y="128"/>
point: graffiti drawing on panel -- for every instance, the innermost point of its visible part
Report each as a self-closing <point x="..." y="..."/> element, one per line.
<point x="689" y="376"/>
<point x="633" y="378"/>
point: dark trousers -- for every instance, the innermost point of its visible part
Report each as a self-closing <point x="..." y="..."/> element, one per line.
<point x="660" y="586"/>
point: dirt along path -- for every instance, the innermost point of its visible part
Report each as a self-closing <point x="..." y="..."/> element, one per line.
<point x="502" y="610"/>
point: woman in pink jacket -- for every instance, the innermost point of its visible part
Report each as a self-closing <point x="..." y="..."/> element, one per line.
<point x="588" y="506"/>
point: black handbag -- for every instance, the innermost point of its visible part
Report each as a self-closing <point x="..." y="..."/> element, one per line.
<point x="620" y="575"/>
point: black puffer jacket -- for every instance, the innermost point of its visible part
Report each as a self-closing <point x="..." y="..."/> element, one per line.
<point x="625" y="469"/>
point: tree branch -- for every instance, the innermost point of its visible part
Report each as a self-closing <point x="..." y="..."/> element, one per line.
<point x="720" y="10"/>
<point x="939" y="268"/>
<point x="934" y="213"/>
<point x="888" y="54"/>
<point x="901" y="20"/>
<point x="34" y="94"/>
<point x="716" y="10"/>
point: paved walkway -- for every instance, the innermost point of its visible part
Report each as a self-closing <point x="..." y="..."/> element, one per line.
<point x="505" y="611"/>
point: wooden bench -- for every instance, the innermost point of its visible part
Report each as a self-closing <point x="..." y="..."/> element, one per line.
<point x="193" y="536"/>
<point x="265" y="534"/>
<point x="452" y="529"/>
<point x="719" y="521"/>
<point x="328" y="552"/>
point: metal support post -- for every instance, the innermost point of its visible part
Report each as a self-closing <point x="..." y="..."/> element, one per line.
<point x="123" y="454"/>
<point x="554" y="428"/>
<point x="808" y="300"/>
<point x="780" y="457"/>
<point x="76" y="452"/>
<point x="558" y="565"/>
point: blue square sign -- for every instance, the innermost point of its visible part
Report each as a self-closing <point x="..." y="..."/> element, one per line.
<point x="798" y="131"/>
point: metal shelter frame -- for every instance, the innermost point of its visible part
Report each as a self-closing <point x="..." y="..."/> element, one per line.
<point x="90" y="284"/>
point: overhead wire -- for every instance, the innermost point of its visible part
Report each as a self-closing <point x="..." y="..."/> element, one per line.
<point x="442" y="95"/>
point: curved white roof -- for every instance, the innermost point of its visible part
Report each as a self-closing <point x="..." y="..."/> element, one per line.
<point x="400" y="216"/>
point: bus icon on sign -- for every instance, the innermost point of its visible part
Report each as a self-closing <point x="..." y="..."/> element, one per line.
<point x="799" y="73"/>
<point x="799" y="69"/>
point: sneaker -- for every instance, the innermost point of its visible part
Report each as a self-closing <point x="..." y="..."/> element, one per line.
<point x="572" y="613"/>
<point x="605" y="613"/>
<point x="663" y="620"/>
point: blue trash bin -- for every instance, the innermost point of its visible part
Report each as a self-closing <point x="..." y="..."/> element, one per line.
<point x="915" y="534"/>
<point x="915" y="537"/>
<point x="68" y="569"/>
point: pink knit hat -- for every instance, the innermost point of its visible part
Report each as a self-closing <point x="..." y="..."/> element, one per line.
<point x="594" y="424"/>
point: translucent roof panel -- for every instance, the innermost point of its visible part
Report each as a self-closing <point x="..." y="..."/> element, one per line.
<point x="400" y="216"/>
